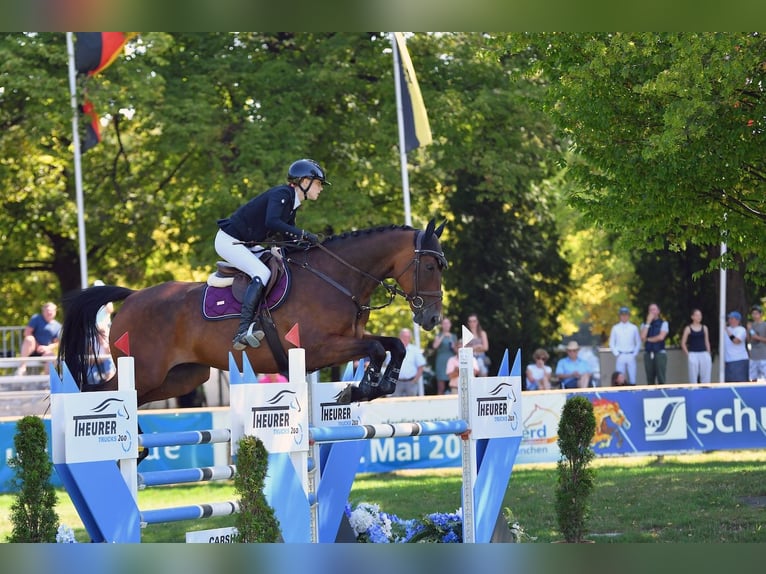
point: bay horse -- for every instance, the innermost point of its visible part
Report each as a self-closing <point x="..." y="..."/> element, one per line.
<point x="332" y="283"/>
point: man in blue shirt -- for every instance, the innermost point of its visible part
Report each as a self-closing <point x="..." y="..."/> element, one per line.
<point x="41" y="336"/>
<point x="572" y="371"/>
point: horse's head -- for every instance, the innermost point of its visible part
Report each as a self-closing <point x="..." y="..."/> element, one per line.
<point x="423" y="286"/>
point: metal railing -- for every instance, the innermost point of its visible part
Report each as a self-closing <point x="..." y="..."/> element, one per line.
<point x="10" y="340"/>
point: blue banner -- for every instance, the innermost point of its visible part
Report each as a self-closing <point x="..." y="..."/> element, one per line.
<point x="629" y="421"/>
<point x="165" y="458"/>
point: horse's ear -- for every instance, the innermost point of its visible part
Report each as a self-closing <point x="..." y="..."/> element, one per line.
<point x="438" y="231"/>
<point x="429" y="228"/>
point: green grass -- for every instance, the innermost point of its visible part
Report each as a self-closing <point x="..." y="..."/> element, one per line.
<point x="700" y="498"/>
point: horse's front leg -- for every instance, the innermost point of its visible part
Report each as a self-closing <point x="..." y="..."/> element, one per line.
<point x="373" y="385"/>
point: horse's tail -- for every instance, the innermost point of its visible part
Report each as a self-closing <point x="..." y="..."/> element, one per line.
<point x="79" y="333"/>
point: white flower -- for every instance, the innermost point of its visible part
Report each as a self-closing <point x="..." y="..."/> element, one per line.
<point x="65" y="535"/>
<point x="363" y="517"/>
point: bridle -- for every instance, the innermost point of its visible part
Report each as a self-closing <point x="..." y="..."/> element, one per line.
<point x="415" y="300"/>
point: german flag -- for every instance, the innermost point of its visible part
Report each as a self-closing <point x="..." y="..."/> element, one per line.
<point x="94" y="51"/>
<point x="417" y="131"/>
<point x="92" y="128"/>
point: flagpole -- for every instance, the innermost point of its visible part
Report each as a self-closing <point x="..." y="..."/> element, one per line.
<point x="722" y="318"/>
<point x="405" y="173"/>
<point x="77" y="163"/>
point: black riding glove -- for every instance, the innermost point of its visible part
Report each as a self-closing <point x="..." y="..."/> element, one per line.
<point x="310" y="238"/>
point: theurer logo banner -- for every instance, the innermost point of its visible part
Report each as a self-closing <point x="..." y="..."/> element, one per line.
<point x="328" y="412"/>
<point x="496" y="407"/>
<point x="277" y="414"/>
<point x="99" y="426"/>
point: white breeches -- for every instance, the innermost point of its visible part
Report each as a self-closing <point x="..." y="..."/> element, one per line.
<point x="241" y="256"/>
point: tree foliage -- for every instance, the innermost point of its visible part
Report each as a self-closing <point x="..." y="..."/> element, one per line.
<point x="669" y="134"/>
<point x="194" y="124"/>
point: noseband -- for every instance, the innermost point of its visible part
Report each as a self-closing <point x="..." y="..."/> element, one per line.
<point x="416" y="300"/>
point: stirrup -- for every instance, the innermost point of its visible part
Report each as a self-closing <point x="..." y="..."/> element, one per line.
<point x="250" y="337"/>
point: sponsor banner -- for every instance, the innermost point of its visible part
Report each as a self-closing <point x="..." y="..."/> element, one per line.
<point x="96" y="426"/>
<point x="327" y="412"/>
<point x="633" y="421"/>
<point x="495" y="405"/>
<point x="225" y="535"/>
<point x="277" y="414"/>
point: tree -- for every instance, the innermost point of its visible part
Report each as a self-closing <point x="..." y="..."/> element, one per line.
<point x="503" y="242"/>
<point x="668" y="129"/>
<point x="33" y="511"/>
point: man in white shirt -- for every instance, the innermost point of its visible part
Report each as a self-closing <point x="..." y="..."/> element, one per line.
<point x="735" y="356"/>
<point x="411" y="369"/>
<point x="625" y="343"/>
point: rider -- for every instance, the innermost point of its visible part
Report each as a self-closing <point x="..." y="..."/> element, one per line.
<point x="273" y="211"/>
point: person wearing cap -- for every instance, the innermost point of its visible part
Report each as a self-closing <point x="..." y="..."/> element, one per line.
<point x="695" y="342"/>
<point x="756" y="333"/>
<point x="572" y="371"/>
<point x="625" y="343"/>
<point x="736" y="368"/>
<point x="653" y="334"/>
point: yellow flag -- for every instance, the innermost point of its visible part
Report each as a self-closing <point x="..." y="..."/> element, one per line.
<point x="417" y="131"/>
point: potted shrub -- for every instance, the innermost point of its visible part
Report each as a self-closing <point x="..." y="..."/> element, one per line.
<point x="575" y="477"/>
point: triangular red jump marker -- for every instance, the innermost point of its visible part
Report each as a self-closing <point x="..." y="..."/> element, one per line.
<point x="123" y="343"/>
<point x="293" y="336"/>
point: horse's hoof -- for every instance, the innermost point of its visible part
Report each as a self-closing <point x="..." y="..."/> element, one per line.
<point x="346" y="395"/>
<point x="387" y="386"/>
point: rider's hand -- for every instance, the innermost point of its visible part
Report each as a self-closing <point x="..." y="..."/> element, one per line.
<point x="310" y="238"/>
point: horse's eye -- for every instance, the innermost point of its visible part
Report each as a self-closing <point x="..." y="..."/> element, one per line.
<point x="430" y="267"/>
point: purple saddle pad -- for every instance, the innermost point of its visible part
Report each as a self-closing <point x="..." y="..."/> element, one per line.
<point x="219" y="303"/>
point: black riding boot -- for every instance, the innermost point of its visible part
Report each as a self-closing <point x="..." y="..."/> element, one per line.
<point x="245" y="334"/>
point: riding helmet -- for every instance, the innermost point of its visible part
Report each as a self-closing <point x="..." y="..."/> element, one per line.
<point x="306" y="168"/>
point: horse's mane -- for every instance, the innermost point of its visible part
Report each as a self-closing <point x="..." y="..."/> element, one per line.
<point x="368" y="231"/>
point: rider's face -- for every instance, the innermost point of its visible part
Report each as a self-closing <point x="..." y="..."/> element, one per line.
<point x="314" y="189"/>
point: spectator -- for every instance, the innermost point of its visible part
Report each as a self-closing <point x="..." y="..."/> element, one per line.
<point x="411" y="369"/>
<point x="625" y="344"/>
<point x="538" y="373"/>
<point x="102" y="367"/>
<point x="695" y="342"/>
<point x="618" y="379"/>
<point x="453" y="368"/>
<point x="653" y="333"/>
<point x="445" y="346"/>
<point x="757" y="336"/>
<point x="736" y="369"/>
<point x="480" y="343"/>
<point x="572" y="371"/>
<point x="41" y="336"/>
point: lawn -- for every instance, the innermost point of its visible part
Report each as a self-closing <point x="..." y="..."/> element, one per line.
<point x="714" y="497"/>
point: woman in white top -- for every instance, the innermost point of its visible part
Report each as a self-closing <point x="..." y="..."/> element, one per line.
<point x="538" y="373"/>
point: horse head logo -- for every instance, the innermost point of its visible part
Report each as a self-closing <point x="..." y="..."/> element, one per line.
<point x="121" y="410"/>
<point x="290" y="396"/>
<point x="610" y="421"/>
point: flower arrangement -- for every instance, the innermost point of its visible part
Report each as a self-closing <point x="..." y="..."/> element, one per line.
<point x="370" y="524"/>
<point x="517" y="531"/>
<point x="65" y="535"/>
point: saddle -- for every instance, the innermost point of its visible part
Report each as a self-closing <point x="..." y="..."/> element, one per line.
<point x="228" y="282"/>
<point x="227" y="275"/>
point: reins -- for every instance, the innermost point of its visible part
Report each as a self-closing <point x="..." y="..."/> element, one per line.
<point x="416" y="300"/>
